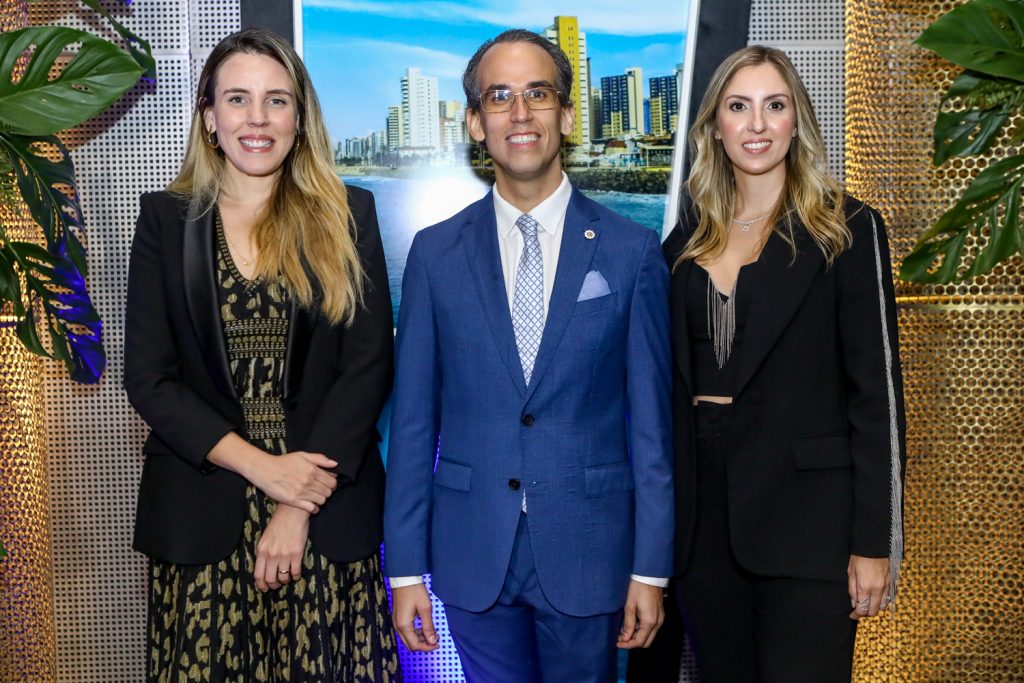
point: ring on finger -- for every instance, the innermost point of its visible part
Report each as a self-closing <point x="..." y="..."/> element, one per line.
<point x="284" y="571"/>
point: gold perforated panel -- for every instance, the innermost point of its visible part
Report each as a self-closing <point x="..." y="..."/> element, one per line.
<point x="27" y="652"/>
<point x="960" y="614"/>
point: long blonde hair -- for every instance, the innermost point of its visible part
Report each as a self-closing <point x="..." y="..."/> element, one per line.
<point x="307" y="222"/>
<point x="810" y="195"/>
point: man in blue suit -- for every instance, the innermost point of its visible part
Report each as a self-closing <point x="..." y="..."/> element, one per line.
<point x="533" y="364"/>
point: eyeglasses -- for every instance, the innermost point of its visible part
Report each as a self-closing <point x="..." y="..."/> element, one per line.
<point x="501" y="100"/>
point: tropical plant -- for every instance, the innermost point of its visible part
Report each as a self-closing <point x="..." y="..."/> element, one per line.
<point x="986" y="38"/>
<point x="41" y="94"/>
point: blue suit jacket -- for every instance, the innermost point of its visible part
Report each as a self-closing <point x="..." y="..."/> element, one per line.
<point x="589" y="439"/>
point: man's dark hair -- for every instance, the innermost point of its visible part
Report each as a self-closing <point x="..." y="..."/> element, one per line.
<point x="518" y="35"/>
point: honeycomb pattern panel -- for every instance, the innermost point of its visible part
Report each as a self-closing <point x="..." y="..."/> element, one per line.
<point x="26" y="585"/>
<point x="960" y="610"/>
<point x="26" y="579"/>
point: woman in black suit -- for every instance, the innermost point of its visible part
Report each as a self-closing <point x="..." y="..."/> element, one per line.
<point x="788" y="393"/>
<point x="258" y="348"/>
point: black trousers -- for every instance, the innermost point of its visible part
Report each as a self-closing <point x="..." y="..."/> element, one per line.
<point x="746" y="628"/>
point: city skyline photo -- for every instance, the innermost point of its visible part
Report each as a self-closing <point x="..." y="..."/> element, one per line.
<point x="357" y="51"/>
<point x="388" y="75"/>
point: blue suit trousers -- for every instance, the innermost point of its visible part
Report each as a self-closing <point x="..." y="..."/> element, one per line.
<point x="522" y="638"/>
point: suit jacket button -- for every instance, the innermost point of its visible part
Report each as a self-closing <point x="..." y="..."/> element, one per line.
<point x="513" y="484"/>
<point x="528" y="420"/>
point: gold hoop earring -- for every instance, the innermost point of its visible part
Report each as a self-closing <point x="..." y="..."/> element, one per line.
<point x="211" y="140"/>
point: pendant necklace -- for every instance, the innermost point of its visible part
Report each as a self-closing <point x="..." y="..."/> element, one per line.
<point x="746" y="224"/>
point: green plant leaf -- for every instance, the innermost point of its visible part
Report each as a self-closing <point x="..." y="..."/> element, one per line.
<point x="93" y="80"/>
<point x="57" y="290"/>
<point x="46" y="179"/>
<point x="27" y="332"/>
<point x="982" y="35"/>
<point x="983" y="105"/>
<point x="139" y="49"/>
<point x="991" y="205"/>
<point x="962" y="133"/>
<point x="10" y="286"/>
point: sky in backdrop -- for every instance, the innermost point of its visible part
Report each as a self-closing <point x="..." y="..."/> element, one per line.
<point x="357" y="51"/>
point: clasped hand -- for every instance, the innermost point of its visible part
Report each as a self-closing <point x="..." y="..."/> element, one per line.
<point x="299" y="479"/>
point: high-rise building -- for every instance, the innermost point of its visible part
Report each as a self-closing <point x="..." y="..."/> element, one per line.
<point x="394" y="127"/>
<point x="566" y="34"/>
<point x="635" y="84"/>
<point x="614" y="106"/>
<point x="453" y="123"/>
<point x="664" y="105"/>
<point x="622" y="104"/>
<point x="420" y="115"/>
<point x="595" y="114"/>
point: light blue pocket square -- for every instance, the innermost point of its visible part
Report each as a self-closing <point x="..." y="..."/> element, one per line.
<point x="594" y="285"/>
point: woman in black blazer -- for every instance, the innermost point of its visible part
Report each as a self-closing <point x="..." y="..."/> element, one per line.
<point x="788" y="393"/>
<point x="258" y="348"/>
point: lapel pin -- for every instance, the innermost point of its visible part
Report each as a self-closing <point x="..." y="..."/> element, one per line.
<point x="589" y="234"/>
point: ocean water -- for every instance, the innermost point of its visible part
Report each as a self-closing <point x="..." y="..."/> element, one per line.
<point x="407" y="205"/>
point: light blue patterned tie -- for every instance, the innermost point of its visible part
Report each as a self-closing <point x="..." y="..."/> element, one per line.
<point x="528" y="302"/>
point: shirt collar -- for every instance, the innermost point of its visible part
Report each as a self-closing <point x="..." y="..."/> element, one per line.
<point x="549" y="213"/>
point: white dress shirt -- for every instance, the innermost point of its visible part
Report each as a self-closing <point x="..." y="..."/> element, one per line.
<point x="550" y="215"/>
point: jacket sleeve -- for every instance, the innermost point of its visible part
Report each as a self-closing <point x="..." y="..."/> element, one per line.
<point x="414" y="425"/>
<point x="648" y="387"/>
<point x="346" y="423"/>
<point x="178" y="416"/>
<point x="870" y="354"/>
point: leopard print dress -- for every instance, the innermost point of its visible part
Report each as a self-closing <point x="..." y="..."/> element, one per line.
<point x="209" y="622"/>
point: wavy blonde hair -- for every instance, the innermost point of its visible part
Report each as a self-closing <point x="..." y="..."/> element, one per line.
<point x="307" y="222"/>
<point x="810" y="196"/>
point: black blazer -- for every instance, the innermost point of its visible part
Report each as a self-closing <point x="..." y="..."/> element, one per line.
<point x="336" y="380"/>
<point x="817" y="428"/>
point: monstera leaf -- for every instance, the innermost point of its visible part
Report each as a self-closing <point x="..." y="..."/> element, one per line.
<point x="138" y="48"/>
<point x="46" y="287"/>
<point x="33" y="104"/>
<point x="986" y="37"/>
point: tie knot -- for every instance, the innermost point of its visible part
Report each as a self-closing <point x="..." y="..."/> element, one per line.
<point x="527" y="225"/>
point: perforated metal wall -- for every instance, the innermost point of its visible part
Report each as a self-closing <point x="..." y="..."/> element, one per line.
<point x="962" y="603"/>
<point x="26" y="586"/>
<point x="95" y="438"/>
<point x="811" y="33"/>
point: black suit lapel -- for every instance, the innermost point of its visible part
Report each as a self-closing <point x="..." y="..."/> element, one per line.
<point x="199" y="247"/>
<point x="783" y="284"/>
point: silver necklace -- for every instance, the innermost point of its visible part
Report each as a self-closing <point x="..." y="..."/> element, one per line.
<point x="721" y="321"/>
<point x="746" y="224"/>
